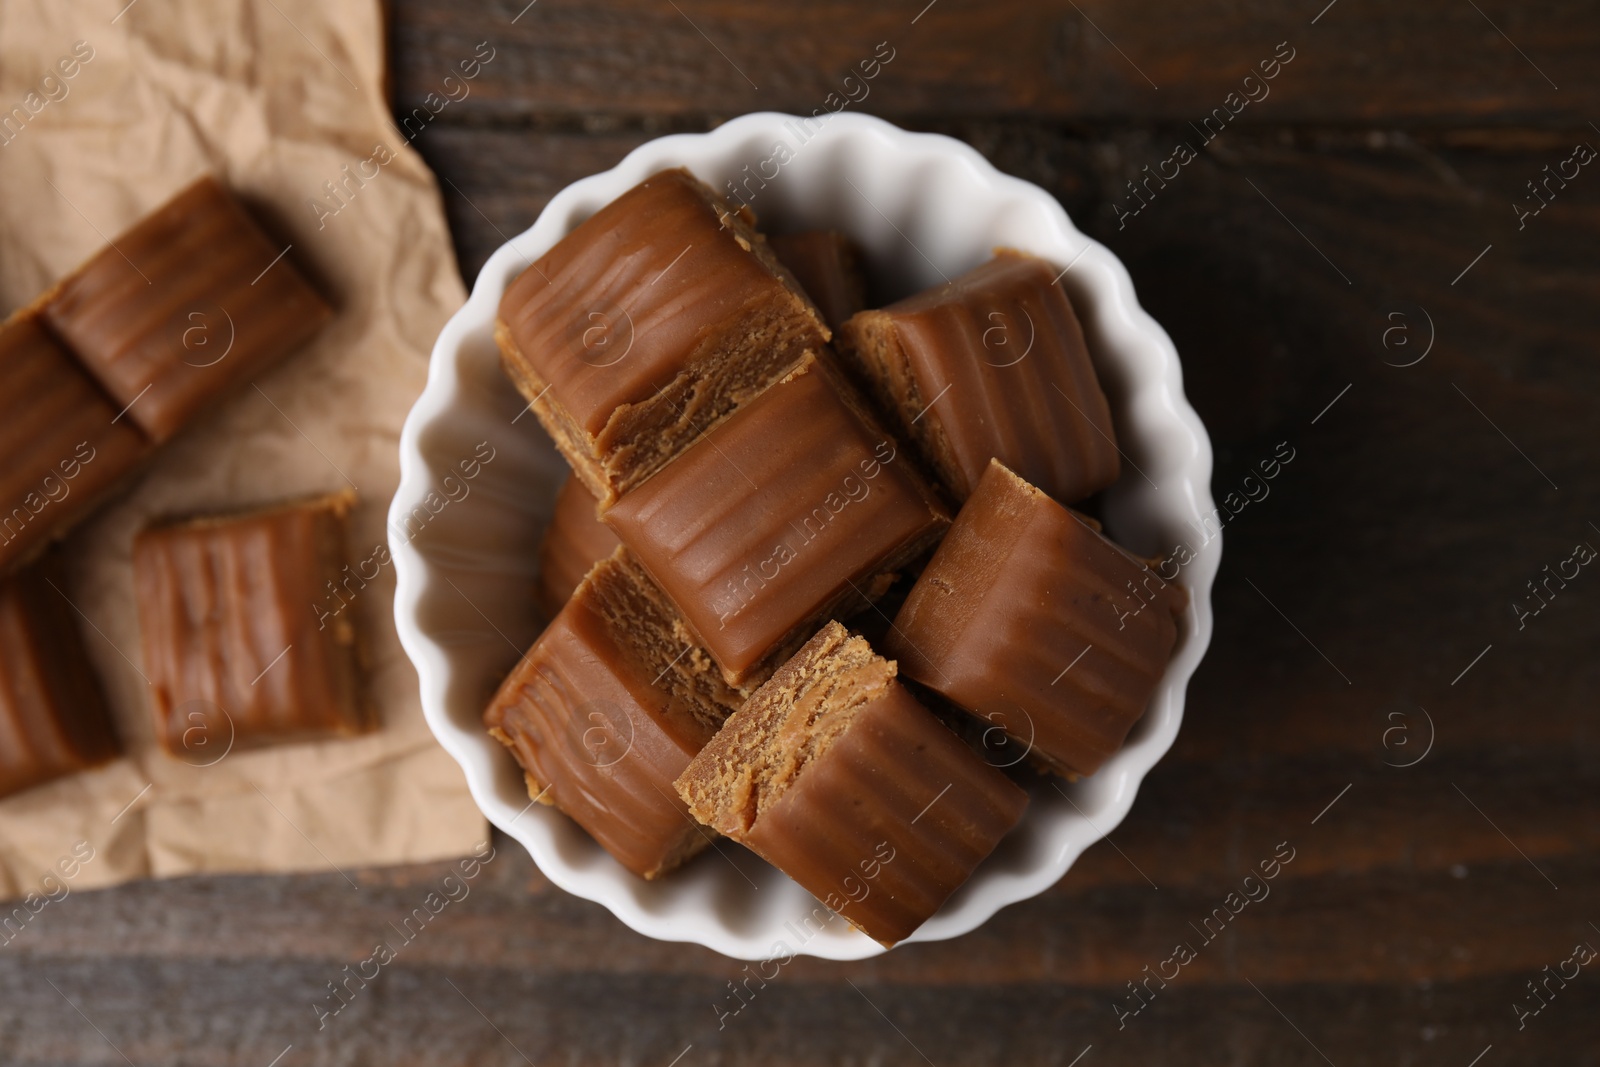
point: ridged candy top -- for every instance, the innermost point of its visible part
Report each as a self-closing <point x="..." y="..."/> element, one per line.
<point x="1030" y="619"/>
<point x="574" y="542"/>
<point x="615" y="311"/>
<point x="62" y="444"/>
<point x="238" y="640"/>
<point x="828" y="268"/>
<point x="992" y="365"/>
<point x="190" y="303"/>
<point x="607" y="709"/>
<point x="53" y="717"/>
<point x="782" y="513"/>
<point x="835" y="774"/>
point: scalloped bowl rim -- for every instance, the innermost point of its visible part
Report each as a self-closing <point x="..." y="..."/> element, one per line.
<point x="1110" y="291"/>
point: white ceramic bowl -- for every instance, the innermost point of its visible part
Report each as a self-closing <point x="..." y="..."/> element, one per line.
<point x="919" y="205"/>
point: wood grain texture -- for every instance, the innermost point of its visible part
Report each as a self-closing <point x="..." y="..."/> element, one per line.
<point x="1355" y="595"/>
<point x="1433" y="62"/>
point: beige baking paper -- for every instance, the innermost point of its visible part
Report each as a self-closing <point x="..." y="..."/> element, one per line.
<point x="277" y="97"/>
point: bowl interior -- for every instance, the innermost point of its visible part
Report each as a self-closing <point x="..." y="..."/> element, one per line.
<point x="479" y="479"/>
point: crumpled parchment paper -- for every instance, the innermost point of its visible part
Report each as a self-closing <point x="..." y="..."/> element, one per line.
<point x="278" y="97"/>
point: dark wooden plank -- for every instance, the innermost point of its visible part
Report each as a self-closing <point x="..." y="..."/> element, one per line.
<point x="1439" y="520"/>
<point x="1032" y="987"/>
<point x="1408" y="923"/>
<point x="494" y="182"/>
<point x="1363" y="61"/>
<point x="1418" y="505"/>
<point x="1197" y="831"/>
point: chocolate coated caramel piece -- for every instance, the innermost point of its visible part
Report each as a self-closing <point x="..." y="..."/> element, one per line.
<point x="796" y="508"/>
<point x="828" y="267"/>
<point x="835" y="775"/>
<point x="1031" y="620"/>
<point x="992" y="365"/>
<point x="53" y="718"/>
<point x="575" y="541"/>
<point x="646" y="324"/>
<point x="188" y="305"/>
<point x="606" y="710"/>
<point x="62" y="445"/>
<point x="240" y="640"/>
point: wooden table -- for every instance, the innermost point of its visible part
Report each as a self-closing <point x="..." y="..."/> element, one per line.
<point x="1366" y="206"/>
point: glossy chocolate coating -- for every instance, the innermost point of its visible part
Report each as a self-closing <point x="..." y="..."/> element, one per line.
<point x="647" y="323"/>
<point x="183" y="308"/>
<point x="247" y="636"/>
<point x="53" y="718"/>
<point x="607" y="709"/>
<point x="794" y="508"/>
<point x="62" y="445"/>
<point x="827" y="265"/>
<point x="574" y="542"/>
<point x="840" y="779"/>
<point x="992" y="365"/>
<point x="1033" y="621"/>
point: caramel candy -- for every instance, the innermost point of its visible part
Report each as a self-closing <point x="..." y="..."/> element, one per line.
<point x="992" y="365"/>
<point x="575" y="541"/>
<point x="796" y="508"/>
<point x="1031" y="620"/>
<point x="828" y="267"/>
<point x="606" y="710"/>
<point x="238" y="645"/>
<point x="189" y="304"/>
<point x="835" y="775"/>
<point x="646" y="324"/>
<point x="873" y="620"/>
<point x="62" y="444"/>
<point x="53" y="718"/>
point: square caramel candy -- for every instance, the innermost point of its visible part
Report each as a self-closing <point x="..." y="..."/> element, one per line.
<point x="573" y="543"/>
<point x="992" y="365"/>
<point x="239" y="646"/>
<point x="647" y="323"/>
<point x="63" y="446"/>
<point x="833" y="773"/>
<point x="796" y="508"/>
<point x="607" y="709"/>
<point x="189" y="304"/>
<point x="827" y="265"/>
<point x="53" y="717"/>
<point x="1031" y="620"/>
